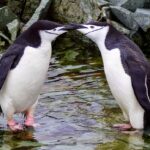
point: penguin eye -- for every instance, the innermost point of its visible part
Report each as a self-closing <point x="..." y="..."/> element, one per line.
<point x="92" y="27"/>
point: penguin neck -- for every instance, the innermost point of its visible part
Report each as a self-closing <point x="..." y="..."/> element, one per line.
<point x="101" y="43"/>
<point x="45" y="47"/>
<point x="110" y="40"/>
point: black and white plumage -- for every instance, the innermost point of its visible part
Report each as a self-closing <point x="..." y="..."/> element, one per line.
<point x="127" y="71"/>
<point x="23" y="69"/>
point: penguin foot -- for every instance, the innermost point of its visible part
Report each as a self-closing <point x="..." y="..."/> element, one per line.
<point x="14" y="126"/>
<point x="30" y="122"/>
<point x="34" y="125"/>
<point x="123" y="127"/>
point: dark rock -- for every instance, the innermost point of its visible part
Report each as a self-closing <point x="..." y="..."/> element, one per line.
<point x="142" y="17"/>
<point x="23" y="8"/>
<point x="125" y="16"/>
<point x="6" y="16"/>
<point x="39" y="13"/>
<point x="147" y="4"/>
<point x="16" y="6"/>
<point x="29" y="9"/>
<point x="3" y="36"/>
<point x="2" y="3"/>
<point x="128" y="4"/>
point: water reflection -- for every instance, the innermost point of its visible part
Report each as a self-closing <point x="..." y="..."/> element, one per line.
<point x="76" y="110"/>
<point x="18" y="141"/>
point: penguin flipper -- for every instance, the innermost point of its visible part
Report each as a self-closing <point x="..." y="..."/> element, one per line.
<point x="9" y="60"/>
<point x="140" y="82"/>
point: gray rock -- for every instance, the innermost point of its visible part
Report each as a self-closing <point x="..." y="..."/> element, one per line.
<point x="13" y="28"/>
<point x="120" y="28"/>
<point x="74" y="11"/>
<point x="142" y="17"/>
<point x="125" y="16"/>
<point x="102" y="3"/>
<point x="6" y="16"/>
<point x="39" y="13"/>
<point x="128" y="4"/>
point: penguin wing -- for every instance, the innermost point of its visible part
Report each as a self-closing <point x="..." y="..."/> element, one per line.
<point x="9" y="60"/>
<point x="140" y="78"/>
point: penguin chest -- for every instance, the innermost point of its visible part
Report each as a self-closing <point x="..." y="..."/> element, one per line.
<point x="119" y="82"/>
<point x="24" y="82"/>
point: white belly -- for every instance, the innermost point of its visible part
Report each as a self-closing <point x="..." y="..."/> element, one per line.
<point x="121" y="87"/>
<point x="23" y="83"/>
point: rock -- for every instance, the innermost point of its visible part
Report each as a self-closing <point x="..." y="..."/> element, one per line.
<point x="102" y="3"/>
<point x="120" y="28"/>
<point x="5" y="37"/>
<point x="74" y="11"/>
<point x="142" y="17"/>
<point x="39" y="13"/>
<point x="29" y="9"/>
<point x="6" y="16"/>
<point x="13" y="28"/>
<point x="16" y="7"/>
<point x="125" y="16"/>
<point x="72" y="147"/>
<point x="138" y="39"/>
<point x="2" y="3"/>
<point x="147" y="4"/>
<point x="128" y="4"/>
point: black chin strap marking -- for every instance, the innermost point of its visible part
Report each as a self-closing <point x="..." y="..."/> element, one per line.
<point x="94" y="30"/>
<point x="51" y="33"/>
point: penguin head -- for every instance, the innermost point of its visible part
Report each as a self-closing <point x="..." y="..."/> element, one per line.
<point x="42" y="31"/>
<point x="96" y="31"/>
<point x="49" y="30"/>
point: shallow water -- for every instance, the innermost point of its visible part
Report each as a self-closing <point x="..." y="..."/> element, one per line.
<point x="76" y="111"/>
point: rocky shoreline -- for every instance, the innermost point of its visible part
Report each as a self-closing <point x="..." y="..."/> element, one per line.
<point x="131" y="17"/>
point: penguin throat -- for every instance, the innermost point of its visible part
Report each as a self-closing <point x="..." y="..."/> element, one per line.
<point x="94" y="30"/>
<point x="51" y="33"/>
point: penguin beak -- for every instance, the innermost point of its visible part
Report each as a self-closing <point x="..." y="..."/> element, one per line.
<point x="72" y="26"/>
<point x="76" y="26"/>
<point x="67" y="27"/>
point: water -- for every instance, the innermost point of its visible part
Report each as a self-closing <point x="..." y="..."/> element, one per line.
<point x="76" y="111"/>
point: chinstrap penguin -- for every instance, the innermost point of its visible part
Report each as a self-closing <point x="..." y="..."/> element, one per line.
<point x="23" y="69"/>
<point x="127" y="72"/>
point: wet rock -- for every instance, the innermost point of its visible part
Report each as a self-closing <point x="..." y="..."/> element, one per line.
<point x="142" y="17"/>
<point x="70" y="147"/>
<point x="129" y="4"/>
<point x="91" y="138"/>
<point x="39" y="13"/>
<point x="125" y="16"/>
<point x="74" y="11"/>
<point x="6" y="16"/>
